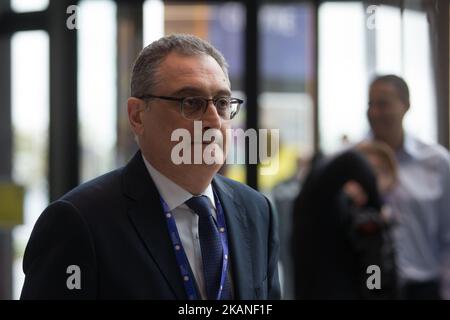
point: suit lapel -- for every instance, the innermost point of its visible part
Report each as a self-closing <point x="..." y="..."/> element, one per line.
<point x="238" y="238"/>
<point x="146" y="214"/>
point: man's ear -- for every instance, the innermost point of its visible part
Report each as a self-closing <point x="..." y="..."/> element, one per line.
<point x="135" y="108"/>
<point x="407" y="106"/>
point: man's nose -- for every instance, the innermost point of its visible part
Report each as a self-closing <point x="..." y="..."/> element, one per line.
<point x="211" y="118"/>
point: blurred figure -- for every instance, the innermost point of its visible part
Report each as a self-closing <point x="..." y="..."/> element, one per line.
<point x="382" y="159"/>
<point x="339" y="232"/>
<point x="422" y="195"/>
<point x="283" y="196"/>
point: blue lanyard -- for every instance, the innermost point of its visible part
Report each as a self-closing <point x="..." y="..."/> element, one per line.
<point x="180" y="254"/>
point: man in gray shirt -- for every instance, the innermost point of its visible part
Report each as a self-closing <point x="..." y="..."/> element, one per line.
<point x="421" y="199"/>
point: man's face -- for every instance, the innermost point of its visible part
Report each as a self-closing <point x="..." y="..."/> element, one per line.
<point x="183" y="76"/>
<point x="386" y="110"/>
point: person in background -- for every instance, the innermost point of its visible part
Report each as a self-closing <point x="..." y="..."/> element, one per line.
<point x="338" y="232"/>
<point x="382" y="160"/>
<point x="421" y="197"/>
<point x="283" y="196"/>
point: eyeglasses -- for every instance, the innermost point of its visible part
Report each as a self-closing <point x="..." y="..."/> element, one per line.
<point x="193" y="108"/>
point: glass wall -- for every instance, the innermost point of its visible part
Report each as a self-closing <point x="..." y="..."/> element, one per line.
<point x="287" y="70"/>
<point x="30" y="120"/>
<point x="418" y="73"/>
<point x="343" y="77"/>
<point x="97" y="93"/>
<point x="358" y="42"/>
<point x="28" y="5"/>
<point x="153" y="21"/>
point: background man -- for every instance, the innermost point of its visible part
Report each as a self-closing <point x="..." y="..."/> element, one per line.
<point x="422" y="196"/>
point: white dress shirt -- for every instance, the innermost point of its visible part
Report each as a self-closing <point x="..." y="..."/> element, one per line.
<point x="185" y="219"/>
<point x="421" y="201"/>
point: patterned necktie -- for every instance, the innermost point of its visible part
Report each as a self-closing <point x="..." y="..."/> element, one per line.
<point x="211" y="248"/>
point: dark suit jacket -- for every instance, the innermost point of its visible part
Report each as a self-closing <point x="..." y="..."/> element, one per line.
<point x="114" y="229"/>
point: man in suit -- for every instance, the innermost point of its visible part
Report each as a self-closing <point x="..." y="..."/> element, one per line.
<point x="155" y="229"/>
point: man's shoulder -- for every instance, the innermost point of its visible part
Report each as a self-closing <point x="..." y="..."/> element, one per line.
<point x="430" y="150"/>
<point x="236" y="185"/>
<point x="241" y="192"/>
<point x="104" y="187"/>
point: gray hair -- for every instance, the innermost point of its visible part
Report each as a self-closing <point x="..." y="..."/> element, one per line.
<point x="144" y="76"/>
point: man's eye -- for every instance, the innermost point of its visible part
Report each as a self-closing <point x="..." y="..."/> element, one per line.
<point x="222" y="103"/>
<point x="194" y="102"/>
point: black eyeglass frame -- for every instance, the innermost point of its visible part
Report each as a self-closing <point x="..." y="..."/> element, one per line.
<point x="182" y="99"/>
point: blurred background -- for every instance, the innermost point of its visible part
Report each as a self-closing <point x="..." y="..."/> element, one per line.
<point x="303" y="67"/>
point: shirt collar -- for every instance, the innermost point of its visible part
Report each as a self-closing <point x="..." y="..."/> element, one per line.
<point x="409" y="147"/>
<point x="172" y="193"/>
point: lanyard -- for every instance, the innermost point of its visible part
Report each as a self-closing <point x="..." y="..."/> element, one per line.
<point x="180" y="254"/>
